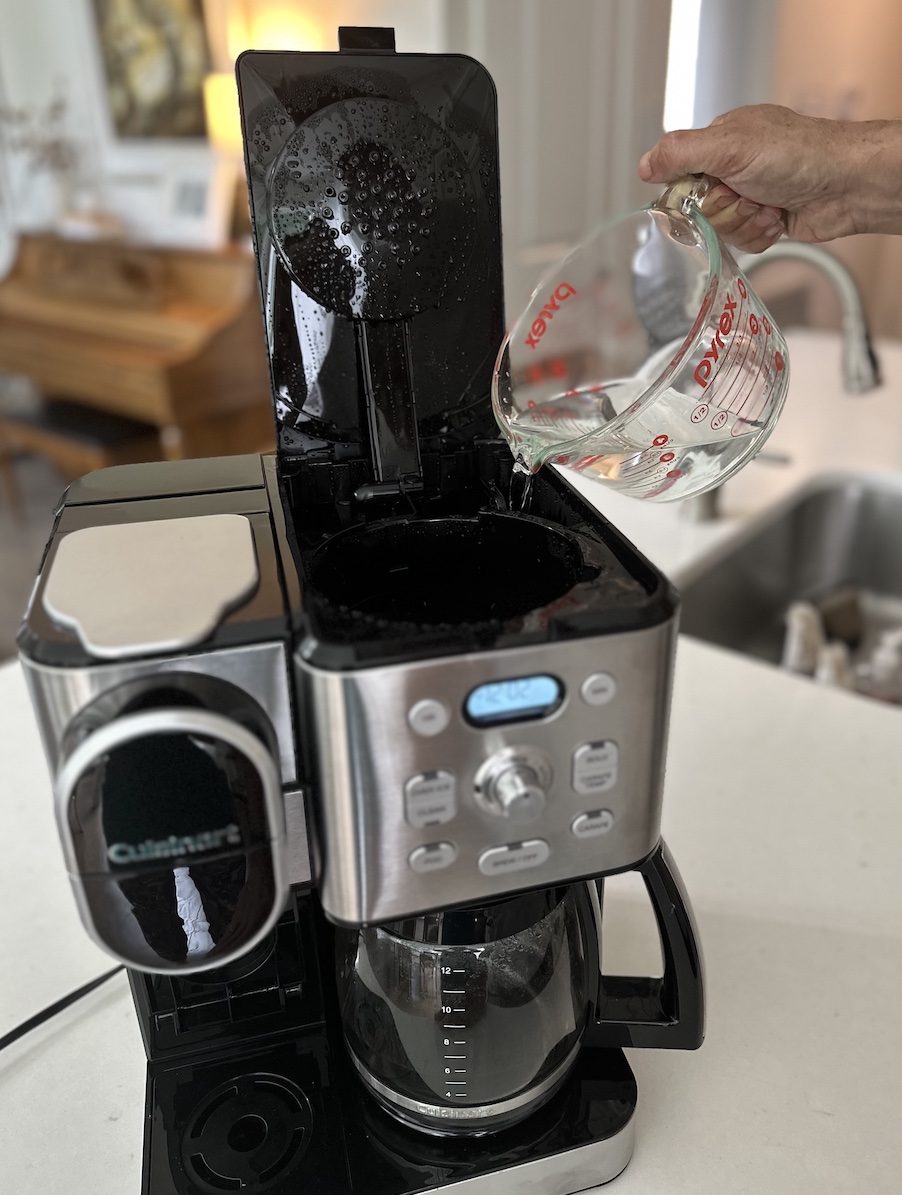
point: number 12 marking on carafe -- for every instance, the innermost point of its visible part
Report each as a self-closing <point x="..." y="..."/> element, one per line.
<point x="455" y="1044"/>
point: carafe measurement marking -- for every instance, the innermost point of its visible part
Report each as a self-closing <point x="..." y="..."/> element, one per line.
<point x="447" y="1008"/>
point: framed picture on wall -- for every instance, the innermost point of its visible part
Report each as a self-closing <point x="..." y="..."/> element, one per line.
<point x="155" y="56"/>
<point x="162" y="177"/>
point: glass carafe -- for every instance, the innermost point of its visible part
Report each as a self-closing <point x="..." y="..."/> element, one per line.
<point x="466" y="1021"/>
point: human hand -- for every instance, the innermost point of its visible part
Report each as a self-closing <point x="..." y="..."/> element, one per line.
<point x="779" y="172"/>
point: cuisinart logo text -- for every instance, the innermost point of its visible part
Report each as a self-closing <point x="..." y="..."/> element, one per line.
<point x="166" y="848"/>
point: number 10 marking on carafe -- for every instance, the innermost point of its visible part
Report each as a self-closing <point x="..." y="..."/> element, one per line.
<point x="455" y="1048"/>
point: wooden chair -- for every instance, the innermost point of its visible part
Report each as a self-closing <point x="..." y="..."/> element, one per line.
<point x="74" y="438"/>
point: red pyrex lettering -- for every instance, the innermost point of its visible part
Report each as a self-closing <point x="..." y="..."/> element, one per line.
<point x="724" y="328"/>
<point x="539" y="325"/>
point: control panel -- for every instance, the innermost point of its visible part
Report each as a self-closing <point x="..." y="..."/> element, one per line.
<point x="512" y="771"/>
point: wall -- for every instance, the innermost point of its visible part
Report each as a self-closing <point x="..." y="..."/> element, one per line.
<point x="842" y="61"/>
<point x="580" y="98"/>
<point x="735" y="56"/>
<point x="49" y="47"/>
<point x="580" y="88"/>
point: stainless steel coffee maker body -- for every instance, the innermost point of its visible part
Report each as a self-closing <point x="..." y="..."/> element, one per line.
<point x="331" y="727"/>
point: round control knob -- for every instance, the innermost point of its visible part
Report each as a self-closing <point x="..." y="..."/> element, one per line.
<point x="515" y="793"/>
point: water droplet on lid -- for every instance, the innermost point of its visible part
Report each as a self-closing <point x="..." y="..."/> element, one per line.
<point x="327" y="212"/>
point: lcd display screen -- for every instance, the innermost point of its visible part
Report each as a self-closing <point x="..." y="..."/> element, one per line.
<point x="514" y="700"/>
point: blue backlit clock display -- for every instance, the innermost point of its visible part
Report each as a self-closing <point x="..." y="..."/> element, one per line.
<point x="514" y="700"/>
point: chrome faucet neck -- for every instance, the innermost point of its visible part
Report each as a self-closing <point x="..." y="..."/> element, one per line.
<point x="861" y="370"/>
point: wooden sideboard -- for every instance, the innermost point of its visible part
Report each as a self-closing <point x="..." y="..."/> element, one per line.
<point x="167" y="336"/>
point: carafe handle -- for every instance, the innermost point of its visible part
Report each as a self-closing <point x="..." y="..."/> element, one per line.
<point x="665" y="1013"/>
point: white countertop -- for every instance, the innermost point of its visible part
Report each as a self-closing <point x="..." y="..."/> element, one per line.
<point x="783" y="808"/>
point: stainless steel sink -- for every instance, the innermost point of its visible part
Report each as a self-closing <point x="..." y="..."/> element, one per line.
<point x="838" y="530"/>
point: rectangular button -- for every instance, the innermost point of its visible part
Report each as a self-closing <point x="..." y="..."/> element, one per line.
<point x="595" y="767"/>
<point x="519" y="856"/>
<point x="430" y="799"/>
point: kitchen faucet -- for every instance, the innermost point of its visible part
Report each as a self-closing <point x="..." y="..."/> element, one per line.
<point x="860" y="368"/>
<point x="859" y="363"/>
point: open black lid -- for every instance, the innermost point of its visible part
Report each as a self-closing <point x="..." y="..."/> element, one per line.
<point x="374" y="197"/>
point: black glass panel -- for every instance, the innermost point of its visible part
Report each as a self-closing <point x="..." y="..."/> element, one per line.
<point x="164" y="800"/>
<point x="172" y="847"/>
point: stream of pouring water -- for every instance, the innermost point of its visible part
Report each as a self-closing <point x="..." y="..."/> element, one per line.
<point x="522" y="478"/>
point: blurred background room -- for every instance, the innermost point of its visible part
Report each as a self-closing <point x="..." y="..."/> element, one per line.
<point x="130" y="324"/>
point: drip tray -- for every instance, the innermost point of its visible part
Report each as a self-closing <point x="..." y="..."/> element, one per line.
<point x="493" y="567"/>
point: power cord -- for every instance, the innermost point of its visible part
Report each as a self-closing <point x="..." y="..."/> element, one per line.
<point x="52" y="1009"/>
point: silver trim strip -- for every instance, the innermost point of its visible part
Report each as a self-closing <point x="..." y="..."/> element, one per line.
<point x="258" y="669"/>
<point x="467" y="1113"/>
<point x="165" y="721"/>
<point x="580" y="1169"/>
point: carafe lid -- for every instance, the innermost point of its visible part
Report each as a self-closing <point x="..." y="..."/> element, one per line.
<point x="373" y="181"/>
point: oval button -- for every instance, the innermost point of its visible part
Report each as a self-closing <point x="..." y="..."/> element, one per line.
<point x="587" y="825"/>
<point x="518" y="856"/>
<point x="433" y="857"/>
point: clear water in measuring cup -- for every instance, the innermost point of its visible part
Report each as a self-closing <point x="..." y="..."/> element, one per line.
<point x="653" y="457"/>
<point x="644" y="361"/>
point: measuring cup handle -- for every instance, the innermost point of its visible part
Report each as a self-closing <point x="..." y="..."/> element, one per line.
<point x="665" y="1013"/>
<point x="688" y="191"/>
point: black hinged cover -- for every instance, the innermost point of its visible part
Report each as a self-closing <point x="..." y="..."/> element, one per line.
<point x="374" y="197"/>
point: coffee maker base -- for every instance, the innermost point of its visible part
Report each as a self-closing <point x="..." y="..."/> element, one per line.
<point x="291" y="1115"/>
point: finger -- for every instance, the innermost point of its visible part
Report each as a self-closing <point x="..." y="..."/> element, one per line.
<point x="684" y="151"/>
<point x="717" y="199"/>
<point x="751" y="232"/>
<point x="764" y="241"/>
<point x="732" y="218"/>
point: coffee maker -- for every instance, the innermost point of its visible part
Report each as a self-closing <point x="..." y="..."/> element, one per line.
<point x="344" y="741"/>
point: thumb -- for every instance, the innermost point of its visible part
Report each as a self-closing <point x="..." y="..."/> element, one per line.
<point x="678" y="153"/>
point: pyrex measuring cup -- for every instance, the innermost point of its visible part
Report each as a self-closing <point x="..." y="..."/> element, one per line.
<point x="644" y="359"/>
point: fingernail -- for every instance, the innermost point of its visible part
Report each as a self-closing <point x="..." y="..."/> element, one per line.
<point x="645" y="166"/>
<point x="774" y="230"/>
<point x="745" y="207"/>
